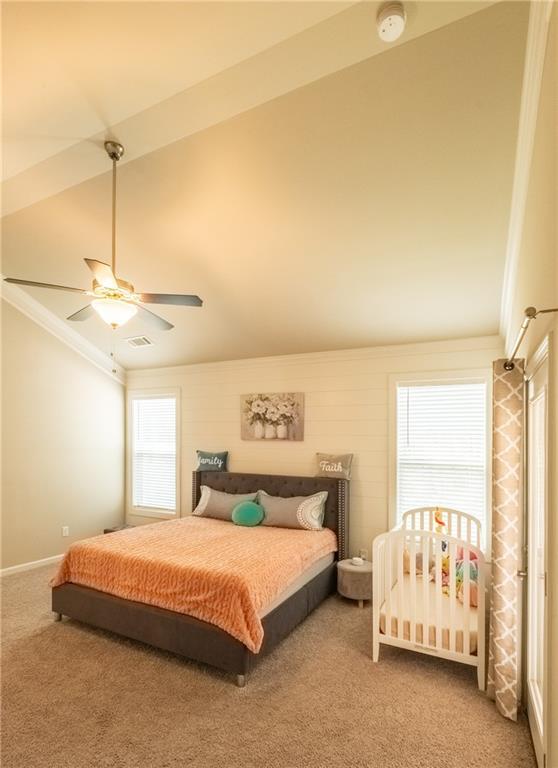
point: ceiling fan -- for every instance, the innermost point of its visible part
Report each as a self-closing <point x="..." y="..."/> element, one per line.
<point x="114" y="299"/>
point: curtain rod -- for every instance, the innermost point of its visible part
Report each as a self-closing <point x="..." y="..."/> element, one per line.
<point x="530" y="314"/>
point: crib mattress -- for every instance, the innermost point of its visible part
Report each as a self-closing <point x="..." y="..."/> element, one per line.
<point x="461" y="616"/>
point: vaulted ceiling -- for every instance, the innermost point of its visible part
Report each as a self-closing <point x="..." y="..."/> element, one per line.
<point x="318" y="188"/>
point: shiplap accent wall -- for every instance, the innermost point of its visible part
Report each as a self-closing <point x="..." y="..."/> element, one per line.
<point x="346" y="411"/>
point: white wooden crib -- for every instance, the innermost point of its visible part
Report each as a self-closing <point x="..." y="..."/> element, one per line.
<point x="431" y="613"/>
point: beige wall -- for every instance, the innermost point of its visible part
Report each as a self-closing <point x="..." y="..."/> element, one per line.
<point x="346" y="411"/>
<point x="537" y="285"/>
<point x="62" y="443"/>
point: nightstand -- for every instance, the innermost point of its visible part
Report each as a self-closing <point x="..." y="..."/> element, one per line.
<point x="355" y="581"/>
<point x="118" y="528"/>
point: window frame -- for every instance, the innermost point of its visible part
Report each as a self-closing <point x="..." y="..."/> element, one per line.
<point x="471" y="376"/>
<point x="144" y="394"/>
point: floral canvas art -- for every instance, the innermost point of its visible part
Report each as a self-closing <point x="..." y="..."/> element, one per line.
<point x="275" y="416"/>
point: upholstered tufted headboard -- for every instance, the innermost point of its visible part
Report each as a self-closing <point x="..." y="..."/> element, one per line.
<point x="337" y="504"/>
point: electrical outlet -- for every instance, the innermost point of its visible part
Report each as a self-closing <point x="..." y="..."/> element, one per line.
<point x="363" y="553"/>
<point x="65" y="530"/>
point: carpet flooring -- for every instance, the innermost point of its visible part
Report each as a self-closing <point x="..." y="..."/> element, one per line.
<point x="74" y="697"/>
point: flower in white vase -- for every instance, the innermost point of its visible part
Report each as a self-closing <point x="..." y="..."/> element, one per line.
<point x="255" y="408"/>
<point x="272" y="414"/>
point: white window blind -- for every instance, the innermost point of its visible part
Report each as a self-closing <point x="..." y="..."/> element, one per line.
<point x="154" y="452"/>
<point x="441" y="447"/>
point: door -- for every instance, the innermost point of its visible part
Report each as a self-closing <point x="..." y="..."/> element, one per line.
<point x="537" y="528"/>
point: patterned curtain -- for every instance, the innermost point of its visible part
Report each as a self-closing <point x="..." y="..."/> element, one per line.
<point x="504" y="683"/>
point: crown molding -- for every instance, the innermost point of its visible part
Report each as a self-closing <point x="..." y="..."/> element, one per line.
<point x="35" y="311"/>
<point x="537" y="34"/>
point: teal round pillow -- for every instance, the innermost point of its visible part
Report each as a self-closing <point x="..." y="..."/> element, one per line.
<point x="247" y="513"/>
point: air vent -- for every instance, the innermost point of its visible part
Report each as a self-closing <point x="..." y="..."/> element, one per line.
<point x="139" y="341"/>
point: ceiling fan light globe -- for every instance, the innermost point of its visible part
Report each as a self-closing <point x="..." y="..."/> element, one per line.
<point x="114" y="311"/>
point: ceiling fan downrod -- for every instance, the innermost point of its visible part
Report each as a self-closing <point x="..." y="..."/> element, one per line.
<point x="114" y="151"/>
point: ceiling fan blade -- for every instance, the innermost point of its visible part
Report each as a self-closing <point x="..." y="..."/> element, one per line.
<point x="178" y="299"/>
<point x="82" y="314"/>
<point x="153" y="319"/>
<point x="43" y="285"/>
<point x="102" y="273"/>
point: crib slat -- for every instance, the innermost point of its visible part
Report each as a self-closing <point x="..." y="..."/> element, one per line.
<point x="466" y="602"/>
<point x="425" y="590"/>
<point x="420" y="539"/>
<point x="452" y="593"/>
<point x="438" y="572"/>
<point x="413" y="589"/>
<point x="400" y="586"/>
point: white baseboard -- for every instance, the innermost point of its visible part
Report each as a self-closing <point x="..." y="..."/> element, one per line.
<point x="31" y="565"/>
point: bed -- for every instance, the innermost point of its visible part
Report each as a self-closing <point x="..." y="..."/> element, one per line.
<point x="437" y="609"/>
<point x="204" y="641"/>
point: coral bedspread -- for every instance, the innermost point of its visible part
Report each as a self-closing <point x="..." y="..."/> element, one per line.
<point x="210" y="569"/>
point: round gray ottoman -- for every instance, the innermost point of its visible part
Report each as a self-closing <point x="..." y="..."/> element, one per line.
<point x="355" y="581"/>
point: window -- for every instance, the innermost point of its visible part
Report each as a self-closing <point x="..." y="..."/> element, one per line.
<point x="153" y="453"/>
<point x="441" y="447"/>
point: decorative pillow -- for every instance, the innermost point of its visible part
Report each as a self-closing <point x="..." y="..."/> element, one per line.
<point x="247" y="513"/>
<point x="473" y="581"/>
<point x="335" y="465"/>
<point x="218" y="504"/>
<point x="294" y="512"/>
<point x="212" y="462"/>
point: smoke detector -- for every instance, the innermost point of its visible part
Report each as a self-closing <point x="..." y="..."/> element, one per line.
<point x="391" y="21"/>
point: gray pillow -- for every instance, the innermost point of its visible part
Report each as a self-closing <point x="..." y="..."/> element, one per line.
<point x="209" y="461"/>
<point x="218" y="504"/>
<point x="294" y="512"/>
<point x="334" y="465"/>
